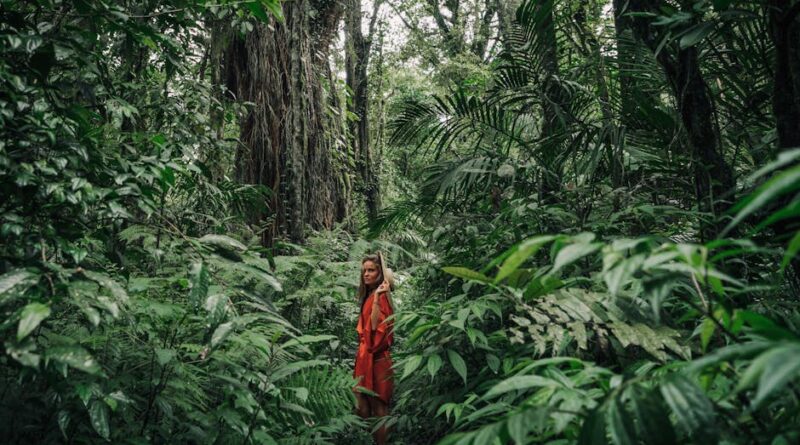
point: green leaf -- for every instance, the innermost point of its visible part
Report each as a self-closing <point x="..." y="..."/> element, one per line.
<point x="517" y="383"/>
<point x="257" y="9"/>
<point x="120" y="397"/>
<point x="223" y="242"/>
<point x="692" y="409"/>
<point x="487" y="434"/>
<point x="291" y="368"/>
<point x="467" y="274"/>
<point x="216" y="305"/>
<point x="518" y="426"/>
<point x="493" y="361"/>
<point x="164" y="356"/>
<point x="32" y="315"/>
<point x="696" y="34"/>
<point x="412" y="363"/>
<point x="221" y="333"/>
<point x="13" y="284"/>
<point x="573" y="252"/>
<point x="708" y="328"/>
<point x="63" y="422"/>
<point x="98" y="413"/>
<point x="593" y="430"/>
<point x="275" y="8"/>
<point x="458" y="364"/>
<point x="104" y="280"/>
<point x="790" y="211"/>
<point x="23" y="352"/>
<point x="791" y="251"/>
<point x="620" y="424"/>
<point x="732" y="352"/>
<point x="198" y="280"/>
<point x="259" y="274"/>
<point x="775" y="368"/>
<point x="784" y="158"/>
<point x="167" y="177"/>
<point x="775" y="187"/>
<point x="764" y="326"/>
<point x="524" y="251"/>
<point x="308" y="339"/>
<point x="76" y="357"/>
<point x="434" y="364"/>
<point x="652" y="420"/>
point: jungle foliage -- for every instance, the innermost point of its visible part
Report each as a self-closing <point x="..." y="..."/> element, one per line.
<point x="591" y="208"/>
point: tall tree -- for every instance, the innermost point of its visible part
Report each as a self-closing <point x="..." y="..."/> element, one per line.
<point x="713" y="177"/>
<point x="538" y="18"/>
<point x="357" y="54"/>
<point x="459" y="27"/>
<point x="785" y="33"/>
<point x="288" y="138"/>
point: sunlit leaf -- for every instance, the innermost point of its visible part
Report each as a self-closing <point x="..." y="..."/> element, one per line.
<point x="518" y="383"/>
<point x="434" y="364"/>
<point x="32" y="315"/>
<point x="524" y="250"/>
<point x="76" y="357"/>
<point x="98" y="413"/>
<point x="412" y="363"/>
<point x="467" y="274"/>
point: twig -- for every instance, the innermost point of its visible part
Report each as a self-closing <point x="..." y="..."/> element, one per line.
<point x="700" y="293"/>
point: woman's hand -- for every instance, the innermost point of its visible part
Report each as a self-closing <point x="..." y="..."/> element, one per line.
<point x="383" y="288"/>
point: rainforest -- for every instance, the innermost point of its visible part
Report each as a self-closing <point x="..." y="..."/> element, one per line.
<point x="591" y="210"/>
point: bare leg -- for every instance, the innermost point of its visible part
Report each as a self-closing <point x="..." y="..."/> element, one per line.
<point x="379" y="409"/>
<point x="363" y="406"/>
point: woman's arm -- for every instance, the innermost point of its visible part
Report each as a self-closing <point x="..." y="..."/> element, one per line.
<point x="381" y="334"/>
<point x="376" y="304"/>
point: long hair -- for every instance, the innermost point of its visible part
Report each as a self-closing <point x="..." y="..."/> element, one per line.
<point x="363" y="291"/>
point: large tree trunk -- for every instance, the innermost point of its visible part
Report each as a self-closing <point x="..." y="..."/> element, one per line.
<point x="357" y="51"/>
<point x="219" y="35"/>
<point x="287" y="136"/>
<point x="713" y="177"/>
<point x="553" y="99"/>
<point x="341" y="153"/>
<point x="483" y="30"/>
<point x="785" y="31"/>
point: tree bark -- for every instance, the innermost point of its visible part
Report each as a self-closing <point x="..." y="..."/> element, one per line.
<point x="713" y="177"/>
<point x="357" y="54"/>
<point x="286" y="136"/>
<point x="483" y="30"/>
<point x="785" y="30"/>
<point x="553" y="99"/>
<point x="785" y="33"/>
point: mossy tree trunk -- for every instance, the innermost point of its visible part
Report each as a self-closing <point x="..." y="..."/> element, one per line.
<point x="357" y="54"/>
<point x="289" y="141"/>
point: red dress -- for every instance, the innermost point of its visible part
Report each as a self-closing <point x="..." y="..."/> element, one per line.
<point x="373" y="363"/>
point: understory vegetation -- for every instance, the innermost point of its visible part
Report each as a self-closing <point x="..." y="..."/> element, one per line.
<point x="592" y="209"/>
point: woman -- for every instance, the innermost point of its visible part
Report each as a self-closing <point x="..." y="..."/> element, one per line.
<point x="373" y="367"/>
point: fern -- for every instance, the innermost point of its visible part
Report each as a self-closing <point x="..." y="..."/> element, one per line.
<point x="567" y="316"/>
